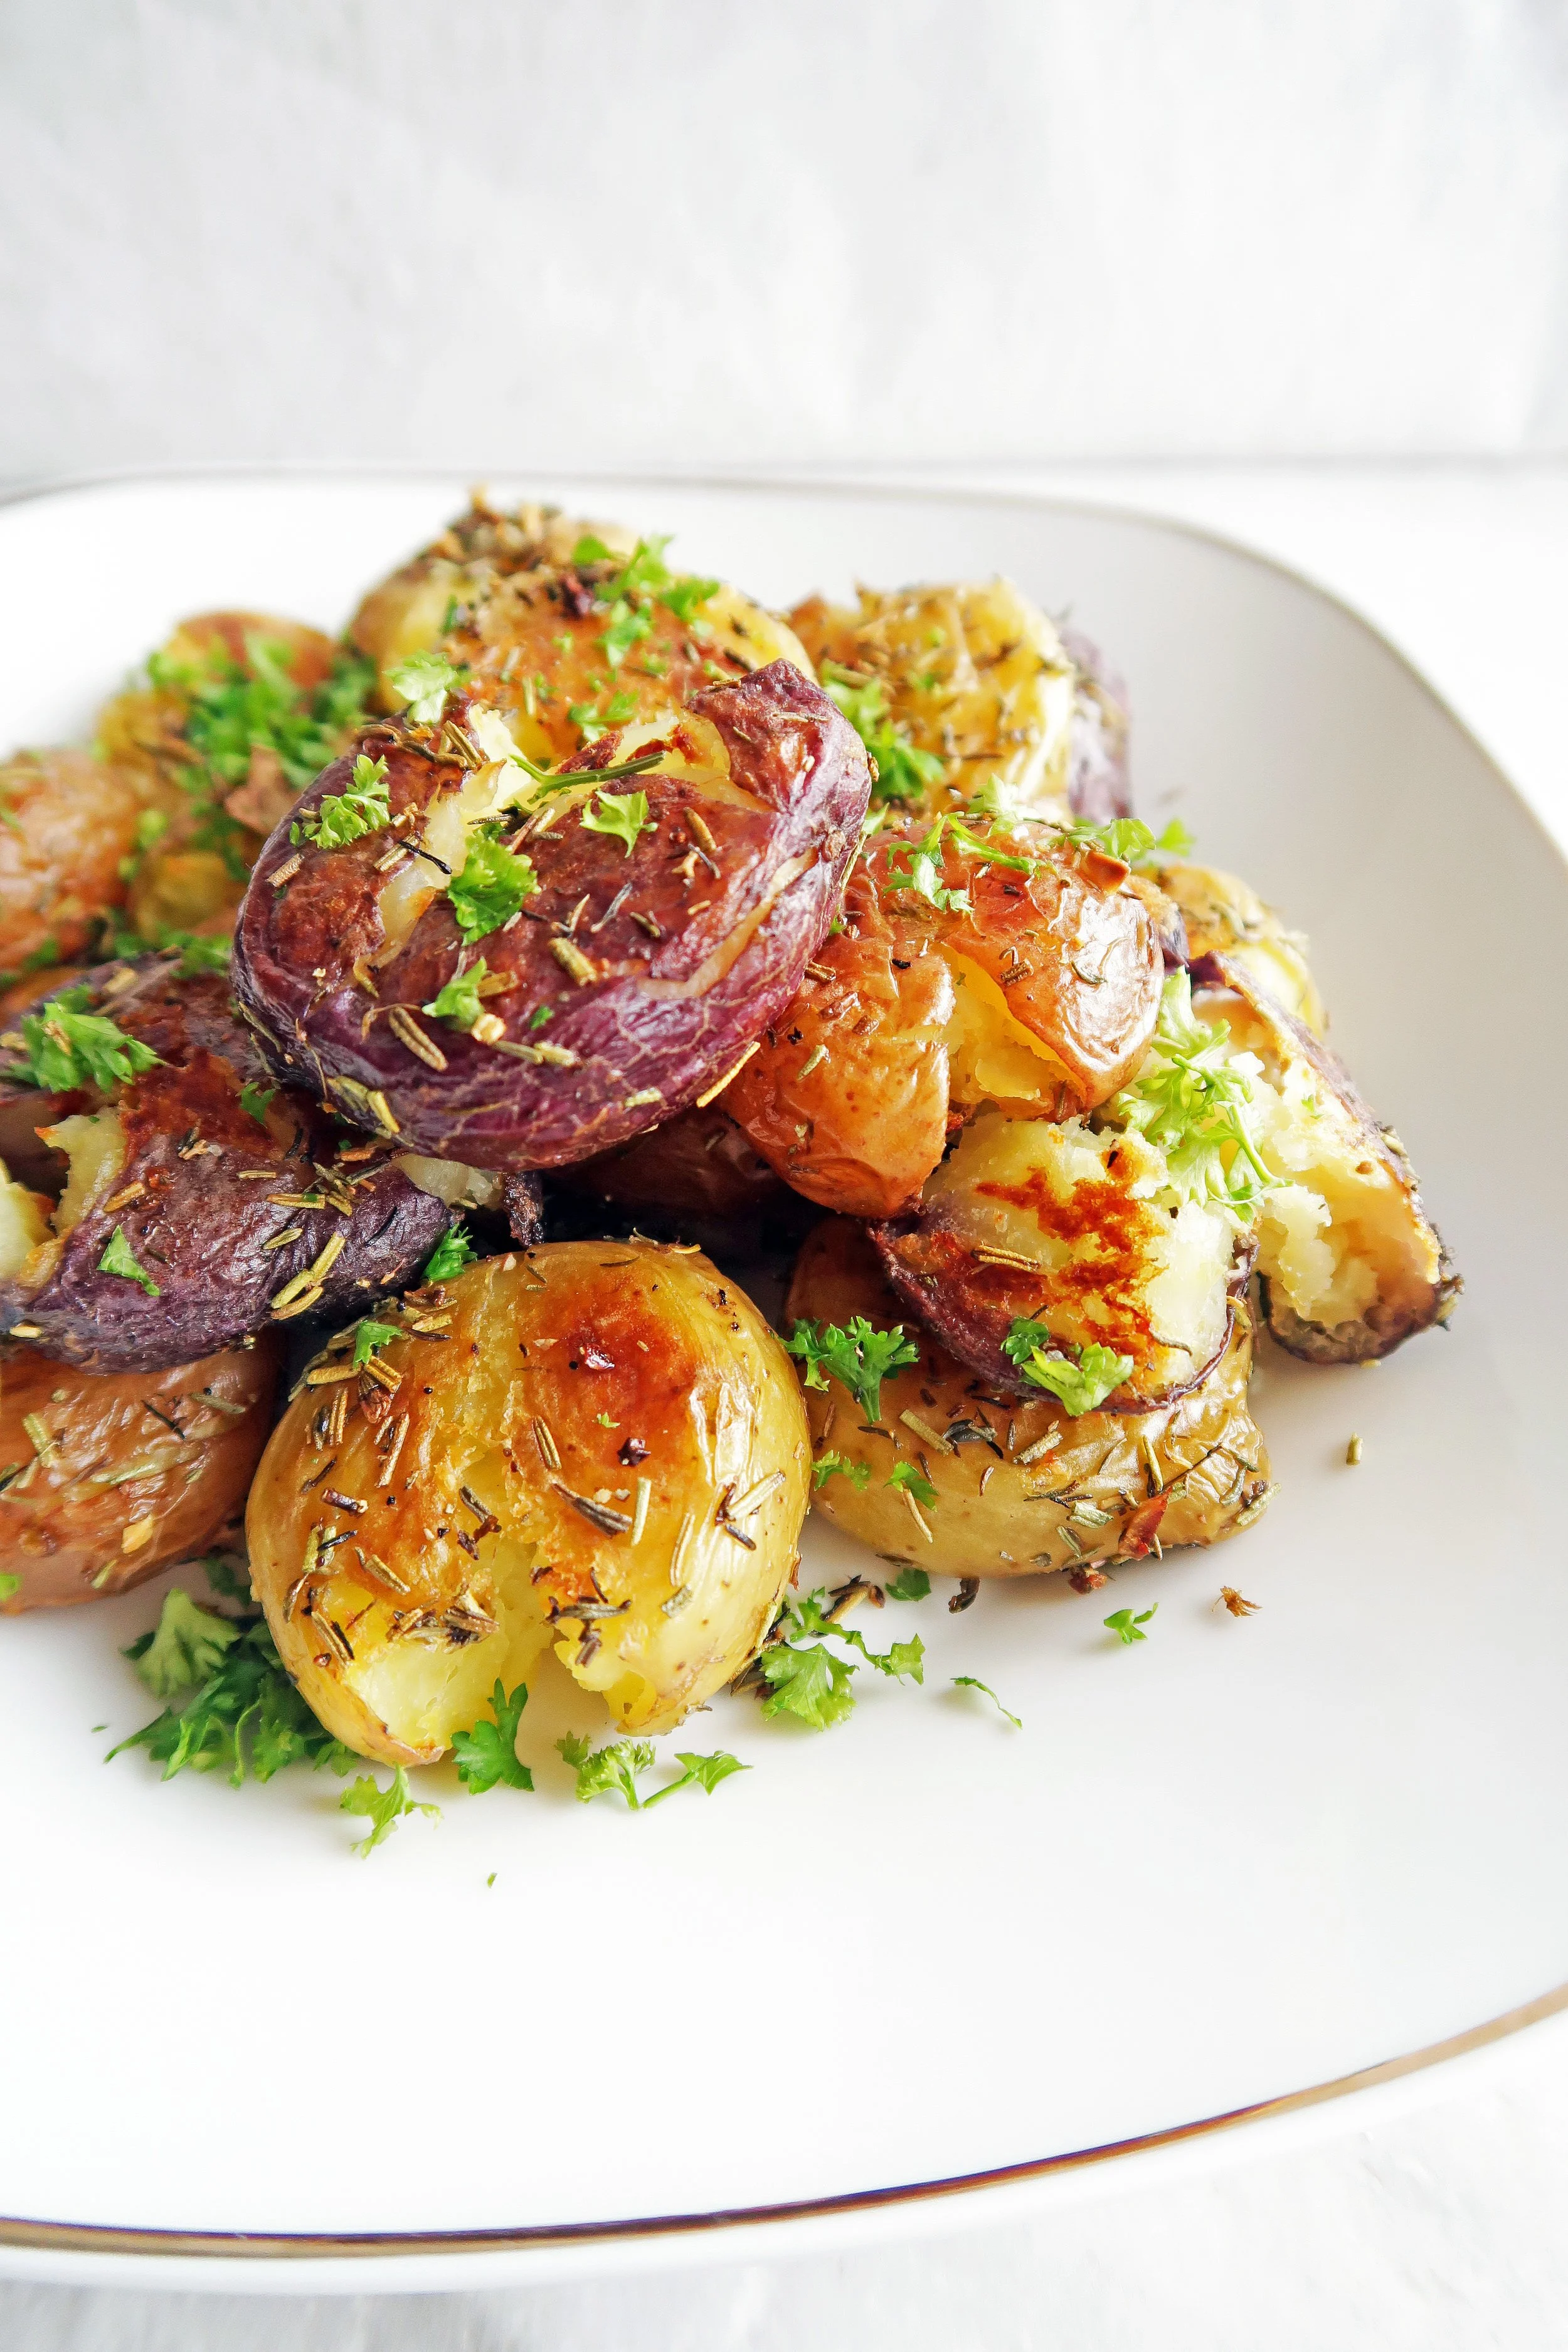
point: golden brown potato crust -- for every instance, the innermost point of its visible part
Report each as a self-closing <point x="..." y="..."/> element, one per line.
<point x="598" y="1446"/>
<point x="107" y="1476"/>
<point x="67" y="822"/>
<point x="1020" y="1486"/>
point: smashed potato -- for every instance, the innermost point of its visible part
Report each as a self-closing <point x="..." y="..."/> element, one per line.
<point x="106" y="1478"/>
<point x="68" y="824"/>
<point x="1020" y="1487"/>
<point x="1225" y="916"/>
<point x="596" y="1451"/>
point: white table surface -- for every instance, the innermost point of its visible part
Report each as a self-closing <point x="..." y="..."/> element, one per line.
<point x="1435" y="2222"/>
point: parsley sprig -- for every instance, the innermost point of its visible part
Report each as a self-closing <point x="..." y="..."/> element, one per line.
<point x="65" y="1048"/>
<point x="383" y="1808"/>
<point x="812" y="1682"/>
<point x="245" y="1717"/>
<point x="360" y="808"/>
<point x="458" y="1001"/>
<point x="491" y="888"/>
<point x="858" y="1354"/>
<point x="1080" y="1379"/>
<point x="614" y="1770"/>
<point x="622" y="816"/>
<point x="425" y="680"/>
<point x="1131" y="840"/>
<point x="451" y="1253"/>
<point x="904" y="773"/>
<point x="487" y="1755"/>
<point x="1192" y="1100"/>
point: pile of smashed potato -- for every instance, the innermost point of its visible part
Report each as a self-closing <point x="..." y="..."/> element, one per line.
<point x="368" y="1004"/>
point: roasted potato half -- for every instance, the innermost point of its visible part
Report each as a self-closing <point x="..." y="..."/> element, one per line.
<point x="1077" y="1230"/>
<point x="597" y="1450"/>
<point x="1223" y="915"/>
<point x="584" y="991"/>
<point x="1021" y="1486"/>
<point x="1026" y="973"/>
<point x="565" y="627"/>
<point x="107" y="1476"/>
<point x="200" y="1201"/>
<point x="1350" y="1264"/>
<point x="67" y="825"/>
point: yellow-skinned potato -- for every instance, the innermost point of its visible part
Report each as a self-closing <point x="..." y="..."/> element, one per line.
<point x="1022" y="1488"/>
<point x="1225" y="916"/>
<point x="68" y="822"/>
<point x="597" y="1449"/>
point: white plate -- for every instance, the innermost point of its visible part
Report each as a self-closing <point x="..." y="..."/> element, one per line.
<point x="1237" y="1862"/>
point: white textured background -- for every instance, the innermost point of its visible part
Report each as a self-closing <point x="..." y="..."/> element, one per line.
<point x="1008" y="233"/>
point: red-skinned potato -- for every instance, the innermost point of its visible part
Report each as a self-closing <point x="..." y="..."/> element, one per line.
<point x="221" y="1207"/>
<point x="596" y="1451"/>
<point x="633" y="977"/>
<point x="1350" y="1264"/>
<point x="1056" y="1224"/>
<point x="1022" y="1488"/>
<point x="68" y="825"/>
<point x="106" y="1478"/>
<point x="1041" y="994"/>
<point x="697" y="1166"/>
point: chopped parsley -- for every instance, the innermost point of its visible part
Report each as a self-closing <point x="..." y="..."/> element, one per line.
<point x="1128" y="1628"/>
<point x="10" y="1584"/>
<point x="459" y="1000"/>
<point x="973" y="1682"/>
<point x="451" y="1253"/>
<point x="812" y="1682"/>
<point x="382" y="1808"/>
<point x="1131" y="840"/>
<point x="540" y="1015"/>
<point x="909" y="1481"/>
<point x="360" y="808"/>
<point x="66" y="1048"/>
<point x="902" y="771"/>
<point x="592" y="723"/>
<point x="909" y="1584"/>
<point x="858" y="1354"/>
<point x="1079" y="1381"/>
<point x="491" y="888"/>
<point x="645" y="574"/>
<point x="831" y="1466"/>
<point x="254" y="1099"/>
<point x="1191" y="1100"/>
<point x="614" y="1770"/>
<point x="370" y="1336"/>
<point x="425" y="680"/>
<point x="622" y="816"/>
<point x="245" y="1717"/>
<point x="198" y="955"/>
<point x="187" y="1644"/>
<point x="119" y="1258"/>
<point x="627" y="627"/>
<point x="487" y="1755"/>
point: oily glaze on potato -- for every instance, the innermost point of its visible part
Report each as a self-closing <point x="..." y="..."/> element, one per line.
<point x="1080" y="1231"/>
<point x="107" y="1476"/>
<point x="563" y="648"/>
<point x="223" y="1207"/>
<point x="1223" y="915"/>
<point x="597" y="1450"/>
<point x="1350" y="1264"/>
<point x="633" y="977"/>
<point x="1041" y="994"/>
<point x="1020" y="1486"/>
<point x="68" y="824"/>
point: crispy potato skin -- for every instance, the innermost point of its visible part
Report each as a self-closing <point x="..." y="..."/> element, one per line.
<point x="996" y="1513"/>
<point x="503" y="1397"/>
<point x="1100" y="786"/>
<point x="1418" y="1283"/>
<point x="199" y="1232"/>
<point x="69" y="820"/>
<point x="650" y="1022"/>
<point x="699" y="1164"/>
<point x="1223" y="915"/>
<point x="72" y="1535"/>
<point x="855" y="1091"/>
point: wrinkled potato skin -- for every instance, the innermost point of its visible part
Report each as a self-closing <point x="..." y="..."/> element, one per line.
<point x="69" y="820"/>
<point x="1429" y="1281"/>
<point x="699" y="1165"/>
<point x="1209" y="1453"/>
<point x="683" y="1366"/>
<point x="1073" y="955"/>
<point x="199" y="1230"/>
<point x="1223" y="915"/>
<point x="661" y="1018"/>
<point x="65" y="1537"/>
<point x="526" y="625"/>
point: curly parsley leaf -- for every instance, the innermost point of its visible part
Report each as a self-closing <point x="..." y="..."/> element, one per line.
<point x="903" y="772"/>
<point x="491" y="888"/>
<point x="832" y="1466"/>
<point x="1192" y="1100"/>
<point x="198" y="955"/>
<point x="1131" y="840"/>
<point x="813" y="1685"/>
<point x="459" y="1000"/>
<point x="1079" y="1381"/>
<point x="66" y="1048"/>
<point x="382" y="1808"/>
<point x="973" y="1682"/>
<point x="369" y="1337"/>
<point x="857" y="1354"/>
<point x="186" y="1647"/>
<point x="425" y="680"/>
<point x="910" y="1481"/>
<point x="451" y="1253"/>
<point x="119" y="1258"/>
<point x="254" y="1099"/>
<point x="360" y="808"/>
<point x="622" y="816"/>
<point x="247" y="1716"/>
<point x="609" y="1772"/>
<point x="1128" y="1628"/>
<point x="487" y="1755"/>
<point x="591" y="722"/>
<point x="909" y="1584"/>
<point x="921" y="873"/>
